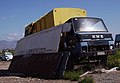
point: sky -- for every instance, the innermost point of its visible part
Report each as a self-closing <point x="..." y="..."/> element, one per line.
<point x="16" y="14"/>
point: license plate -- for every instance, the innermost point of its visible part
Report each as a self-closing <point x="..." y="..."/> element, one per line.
<point x="100" y="53"/>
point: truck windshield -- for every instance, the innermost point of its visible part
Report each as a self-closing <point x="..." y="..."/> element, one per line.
<point x="87" y="24"/>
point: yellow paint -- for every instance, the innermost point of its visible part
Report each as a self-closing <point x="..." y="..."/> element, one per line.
<point x="56" y="17"/>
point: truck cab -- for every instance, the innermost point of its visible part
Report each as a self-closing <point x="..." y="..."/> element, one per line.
<point x="92" y="35"/>
<point x="117" y="41"/>
<point x="88" y="37"/>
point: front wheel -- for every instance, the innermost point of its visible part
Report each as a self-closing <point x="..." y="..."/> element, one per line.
<point x="103" y="60"/>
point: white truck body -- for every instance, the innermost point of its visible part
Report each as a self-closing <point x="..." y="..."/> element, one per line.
<point x="46" y="41"/>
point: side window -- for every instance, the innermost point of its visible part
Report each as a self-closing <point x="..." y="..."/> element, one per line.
<point x="26" y="33"/>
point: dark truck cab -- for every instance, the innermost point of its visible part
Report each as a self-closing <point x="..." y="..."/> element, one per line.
<point x="117" y="41"/>
<point x="88" y="38"/>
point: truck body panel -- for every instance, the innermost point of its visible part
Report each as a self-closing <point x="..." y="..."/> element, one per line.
<point x="46" y="41"/>
<point x="40" y="65"/>
<point x="56" y="17"/>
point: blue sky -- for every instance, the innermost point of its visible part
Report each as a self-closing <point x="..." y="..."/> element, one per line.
<point x="15" y="14"/>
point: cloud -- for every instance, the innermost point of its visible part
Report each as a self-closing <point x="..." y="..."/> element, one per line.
<point x="3" y="18"/>
<point x="10" y="17"/>
<point x="13" y="16"/>
<point x="14" y="36"/>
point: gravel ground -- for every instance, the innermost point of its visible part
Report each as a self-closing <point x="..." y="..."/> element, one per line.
<point x="7" y="77"/>
<point x="4" y="65"/>
<point x="14" y="79"/>
<point x="111" y="77"/>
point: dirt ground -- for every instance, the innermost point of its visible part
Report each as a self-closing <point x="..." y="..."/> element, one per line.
<point x="111" y="77"/>
<point x="7" y="77"/>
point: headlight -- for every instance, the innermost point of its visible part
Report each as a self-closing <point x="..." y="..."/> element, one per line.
<point x="84" y="46"/>
<point x="111" y="47"/>
<point x="111" y="43"/>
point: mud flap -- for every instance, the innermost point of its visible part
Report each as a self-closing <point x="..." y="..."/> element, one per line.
<point x="62" y="65"/>
<point x="42" y="65"/>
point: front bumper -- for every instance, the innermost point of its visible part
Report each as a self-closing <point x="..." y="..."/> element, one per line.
<point x="98" y="53"/>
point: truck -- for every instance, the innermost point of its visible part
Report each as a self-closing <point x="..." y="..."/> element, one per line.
<point x="117" y="41"/>
<point x="61" y="40"/>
